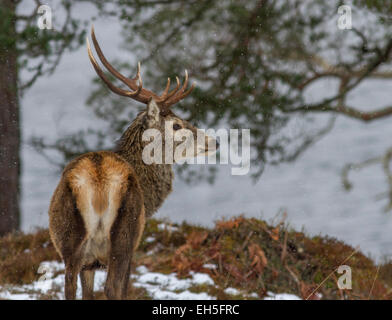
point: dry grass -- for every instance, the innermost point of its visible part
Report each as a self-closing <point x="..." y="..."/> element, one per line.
<point x="252" y="256"/>
<point x="248" y="254"/>
<point x="21" y="255"/>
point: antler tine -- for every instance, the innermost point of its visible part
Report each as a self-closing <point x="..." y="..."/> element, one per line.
<point x="164" y="94"/>
<point x="181" y="94"/>
<point x="139" y="79"/>
<point x="174" y="90"/>
<point x="164" y="101"/>
<point x="168" y="96"/>
<point x="106" y="63"/>
<point x="102" y="75"/>
<point x="131" y="83"/>
<point x="186" y="81"/>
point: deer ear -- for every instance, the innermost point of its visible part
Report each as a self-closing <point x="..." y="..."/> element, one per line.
<point x="152" y="112"/>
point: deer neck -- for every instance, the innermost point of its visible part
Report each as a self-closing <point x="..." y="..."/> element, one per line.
<point x="155" y="179"/>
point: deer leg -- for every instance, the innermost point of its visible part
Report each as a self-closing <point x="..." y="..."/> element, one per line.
<point x="73" y="266"/>
<point x="123" y="244"/>
<point x="119" y="260"/>
<point x="72" y="269"/>
<point x="87" y="280"/>
<point x="67" y="233"/>
<point x="118" y="277"/>
<point x="124" y="236"/>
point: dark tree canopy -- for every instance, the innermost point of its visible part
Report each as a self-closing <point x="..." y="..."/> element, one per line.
<point x="254" y="62"/>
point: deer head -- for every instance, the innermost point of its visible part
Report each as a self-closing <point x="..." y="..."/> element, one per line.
<point x="158" y="114"/>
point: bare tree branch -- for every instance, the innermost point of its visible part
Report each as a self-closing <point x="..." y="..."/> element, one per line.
<point x="384" y="160"/>
<point x="331" y="71"/>
<point x="348" y="111"/>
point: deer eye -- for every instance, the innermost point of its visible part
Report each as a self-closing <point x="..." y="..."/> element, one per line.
<point x="176" y="126"/>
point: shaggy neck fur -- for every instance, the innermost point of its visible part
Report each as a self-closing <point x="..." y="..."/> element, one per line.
<point x="155" y="179"/>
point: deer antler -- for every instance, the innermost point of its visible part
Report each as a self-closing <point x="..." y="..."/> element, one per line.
<point x="138" y="93"/>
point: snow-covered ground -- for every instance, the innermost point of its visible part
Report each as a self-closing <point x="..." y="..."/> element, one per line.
<point x="309" y="190"/>
<point x="158" y="286"/>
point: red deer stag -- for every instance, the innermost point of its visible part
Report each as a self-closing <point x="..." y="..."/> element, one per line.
<point x="98" y="210"/>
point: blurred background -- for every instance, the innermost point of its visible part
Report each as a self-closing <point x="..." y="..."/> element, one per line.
<point x="316" y="98"/>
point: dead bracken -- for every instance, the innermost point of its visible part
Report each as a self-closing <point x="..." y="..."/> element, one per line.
<point x="249" y="256"/>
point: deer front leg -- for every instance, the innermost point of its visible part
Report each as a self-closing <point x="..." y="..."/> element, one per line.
<point x="72" y="269"/>
<point x="73" y="265"/>
<point x="121" y="247"/>
<point x="116" y="285"/>
<point x="125" y="236"/>
<point x="87" y="280"/>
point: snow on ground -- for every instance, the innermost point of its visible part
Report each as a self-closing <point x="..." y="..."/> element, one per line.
<point x="158" y="286"/>
<point x="232" y="291"/>
<point x="167" y="227"/>
<point x="281" y="296"/>
<point x="169" y="287"/>
<point x="149" y="239"/>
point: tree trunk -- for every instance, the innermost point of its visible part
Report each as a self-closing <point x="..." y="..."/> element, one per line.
<point x="9" y="122"/>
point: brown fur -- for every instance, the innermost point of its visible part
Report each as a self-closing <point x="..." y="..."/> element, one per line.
<point x="155" y="179"/>
<point x="98" y="210"/>
<point x="113" y="187"/>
